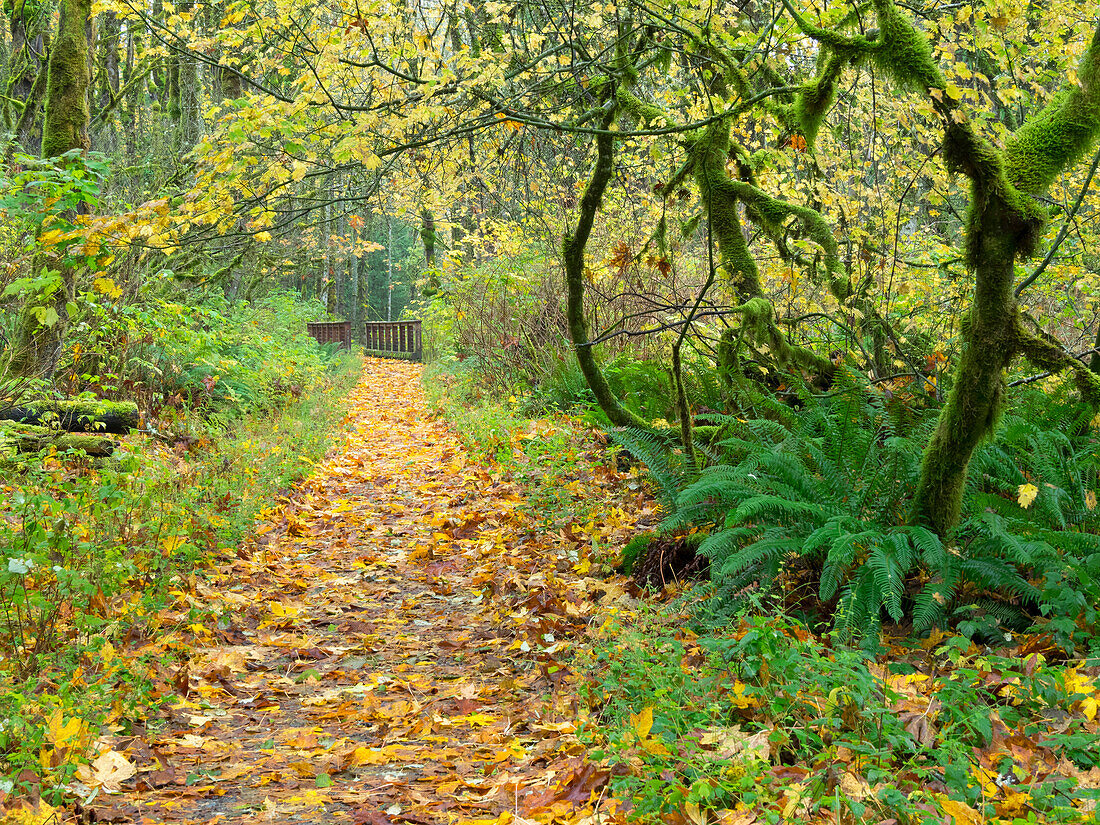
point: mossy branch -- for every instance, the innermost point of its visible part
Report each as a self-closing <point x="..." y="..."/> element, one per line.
<point x="1048" y="355"/>
<point x="758" y="321"/>
<point x="720" y="197"/>
<point x="646" y="113"/>
<point x="773" y="212"/>
<point x="896" y="46"/>
<point x="816" y="97"/>
<point x="1061" y="133"/>
<point x="853" y="47"/>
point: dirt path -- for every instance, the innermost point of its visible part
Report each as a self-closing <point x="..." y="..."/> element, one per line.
<point x="389" y="648"/>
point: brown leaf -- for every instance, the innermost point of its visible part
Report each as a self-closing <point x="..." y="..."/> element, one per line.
<point x="370" y="816"/>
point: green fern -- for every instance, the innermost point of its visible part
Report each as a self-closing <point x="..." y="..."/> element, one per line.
<point x="826" y="488"/>
<point x="666" y="467"/>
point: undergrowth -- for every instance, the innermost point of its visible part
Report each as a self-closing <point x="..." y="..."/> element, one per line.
<point x="807" y="508"/>
<point x="763" y="719"/>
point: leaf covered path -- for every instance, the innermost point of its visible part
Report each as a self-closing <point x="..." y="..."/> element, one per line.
<point x="388" y="650"/>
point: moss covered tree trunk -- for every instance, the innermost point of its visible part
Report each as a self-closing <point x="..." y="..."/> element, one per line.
<point x="573" y="253"/>
<point x="26" y="80"/>
<point x="1004" y="224"/>
<point x="183" y="97"/>
<point x="66" y="123"/>
<point x="37" y="345"/>
<point x="978" y="392"/>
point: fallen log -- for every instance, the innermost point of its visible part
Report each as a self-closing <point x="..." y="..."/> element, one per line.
<point x="29" y="439"/>
<point x="77" y="416"/>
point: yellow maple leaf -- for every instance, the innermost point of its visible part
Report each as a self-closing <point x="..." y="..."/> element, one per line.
<point x="65" y="734"/>
<point x="25" y="813"/>
<point x="962" y="813"/>
<point x="1026" y="494"/>
<point x="642" y="723"/>
<point x="740" y="698"/>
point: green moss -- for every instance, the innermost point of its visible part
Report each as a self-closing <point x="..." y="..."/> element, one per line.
<point x="720" y="197"/>
<point x="773" y="212"/>
<point x="1060" y="134"/>
<point x="1049" y="355"/>
<point x="23" y="438"/>
<point x="65" y="126"/>
<point x="573" y="247"/>
<point x="709" y="153"/>
<point x="904" y="51"/>
<point x="1020" y="215"/>
<point x="816" y="97"/>
<point x="645" y="113"/>
<point x="849" y="47"/>
<point x="729" y="359"/>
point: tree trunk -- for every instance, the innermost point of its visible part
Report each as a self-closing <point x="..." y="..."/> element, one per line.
<point x="573" y="253"/>
<point x="1004" y="223"/>
<point x="77" y="416"/>
<point x="26" y="82"/>
<point x="977" y="396"/>
<point x="184" y="102"/>
<point x="26" y="439"/>
<point x="37" y="345"/>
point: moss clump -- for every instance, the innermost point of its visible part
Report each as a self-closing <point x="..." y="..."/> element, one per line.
<point x="720" y="197"/>
<point x="816" y="97"/>
<point x="773" y="212"/>
<point x="903" y="51"/>
<point x="1021" y="217"/>
<point x="1049" y="355"/>
<point x="645" y="113"/>
<point x="26" y="438"/>
<point x="897" y="47"/>
<point x="709" y="152"/>
<point x="77" y="415"/>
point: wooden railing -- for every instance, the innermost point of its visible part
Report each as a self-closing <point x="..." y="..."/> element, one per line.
<point x="393" y="338"/>
<point x="379" y="337"/>
<point x="331" y="332"/>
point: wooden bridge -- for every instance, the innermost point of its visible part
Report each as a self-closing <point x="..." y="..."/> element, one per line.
<point x="385" y="338"/>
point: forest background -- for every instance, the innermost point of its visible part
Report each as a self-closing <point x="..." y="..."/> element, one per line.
<point x="848" y="251"/>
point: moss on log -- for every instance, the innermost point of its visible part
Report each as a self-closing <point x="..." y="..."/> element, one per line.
<point x="28" y="438"/>
<point x="118" y="417"/>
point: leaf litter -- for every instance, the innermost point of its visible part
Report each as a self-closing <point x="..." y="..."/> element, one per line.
<point x="388" y="647"/>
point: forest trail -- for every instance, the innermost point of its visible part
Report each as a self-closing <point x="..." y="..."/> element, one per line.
<point x="386" y="649"/>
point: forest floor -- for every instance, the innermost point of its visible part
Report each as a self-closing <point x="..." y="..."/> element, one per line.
<point x="390" y="646"/>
